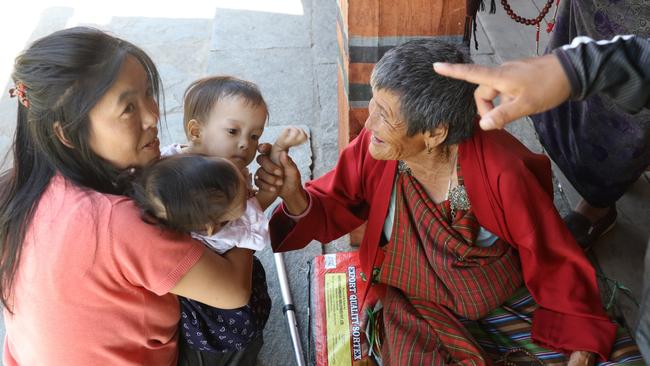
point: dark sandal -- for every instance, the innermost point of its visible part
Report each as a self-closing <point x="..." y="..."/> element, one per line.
<point x="587" y="232"/>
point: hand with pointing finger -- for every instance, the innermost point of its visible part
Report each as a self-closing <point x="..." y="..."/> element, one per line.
<point x="525" y="87"/>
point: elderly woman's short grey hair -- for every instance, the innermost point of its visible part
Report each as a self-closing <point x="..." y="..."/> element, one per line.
<point x="428" y="100"/>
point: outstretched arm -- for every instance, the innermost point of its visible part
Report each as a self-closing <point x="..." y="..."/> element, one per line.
<point x="619" y="69"/>
<point x="525" y="87"/>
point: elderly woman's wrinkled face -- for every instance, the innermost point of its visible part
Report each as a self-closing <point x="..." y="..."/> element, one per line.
<point x="389" y="140"/>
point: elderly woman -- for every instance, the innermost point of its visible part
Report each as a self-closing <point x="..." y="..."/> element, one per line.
<point x="458" y="220"/>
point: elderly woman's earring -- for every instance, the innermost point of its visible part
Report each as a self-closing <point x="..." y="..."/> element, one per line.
<point x="429" y="149"/>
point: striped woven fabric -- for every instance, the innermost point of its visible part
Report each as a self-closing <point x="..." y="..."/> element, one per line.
<point x="422" y="333"/>
<point x="438" y="280"/>
<point x="506" y="330"/>
<point x="432" y="259"/>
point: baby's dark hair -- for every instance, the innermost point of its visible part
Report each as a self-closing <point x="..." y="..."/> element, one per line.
<point x="201" y="96"/>
<point x="186" y="192"/>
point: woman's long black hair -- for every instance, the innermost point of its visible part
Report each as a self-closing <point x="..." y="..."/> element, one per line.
<point x="64" y="75"/>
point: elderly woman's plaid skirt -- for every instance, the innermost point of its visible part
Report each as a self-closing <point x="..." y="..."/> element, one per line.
<point x="451" y="299"/>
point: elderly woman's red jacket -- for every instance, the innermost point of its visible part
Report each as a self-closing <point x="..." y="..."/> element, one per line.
<point x="511" y="193"/>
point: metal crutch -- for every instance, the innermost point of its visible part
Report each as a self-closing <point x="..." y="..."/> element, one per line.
<point x="289" y="309"/>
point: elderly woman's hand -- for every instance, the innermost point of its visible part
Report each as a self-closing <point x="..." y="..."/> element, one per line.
<point x="283" y="179"/>
<point x="581" y="358"/>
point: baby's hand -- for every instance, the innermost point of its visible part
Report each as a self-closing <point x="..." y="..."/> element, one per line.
<point x="290" y="136"/>
<point x="285" y="175"/>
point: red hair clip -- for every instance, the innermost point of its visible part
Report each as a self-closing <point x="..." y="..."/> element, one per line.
<point x="19" y="91"/>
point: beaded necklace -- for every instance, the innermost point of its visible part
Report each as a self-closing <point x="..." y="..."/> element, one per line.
<point x="534" y="21"/>
<point x="457" y="195"/>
